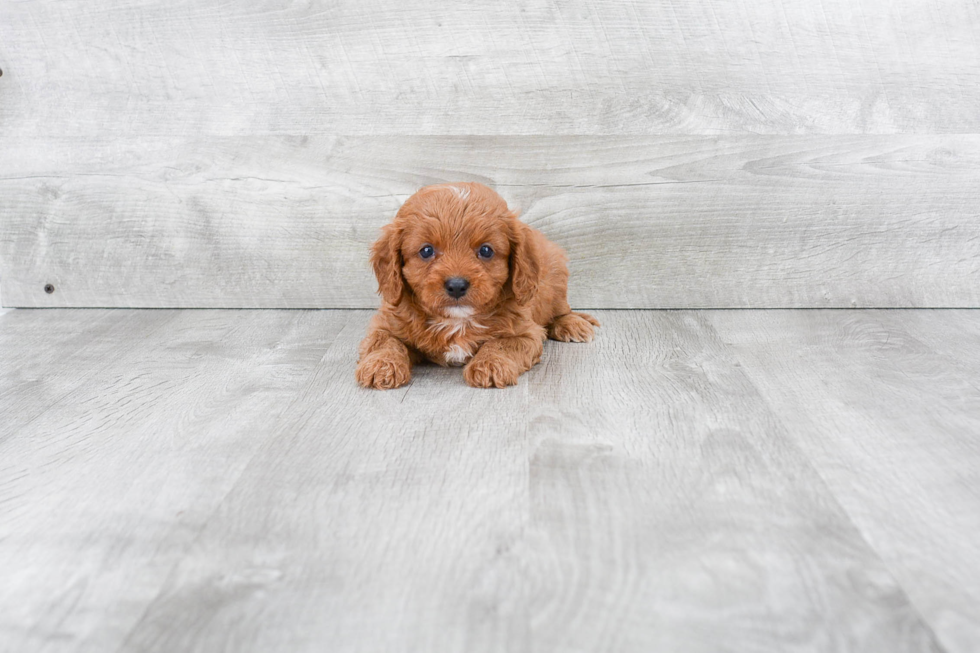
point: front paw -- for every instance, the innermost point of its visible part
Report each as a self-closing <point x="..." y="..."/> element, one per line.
<point x="383" y="370"/>
<point x="573" y="327"/>
<point x="491" y="372"/>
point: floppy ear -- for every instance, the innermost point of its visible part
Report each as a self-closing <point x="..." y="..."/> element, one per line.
<point x="386" y="257"/>
<point x="524" y="266"/>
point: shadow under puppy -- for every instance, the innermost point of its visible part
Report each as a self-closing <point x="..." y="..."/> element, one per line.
<point x="464" y="282"/>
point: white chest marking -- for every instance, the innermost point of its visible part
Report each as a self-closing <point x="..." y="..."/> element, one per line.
<point x="459" y="312"/>
<point x="459" y="320"/>
<point x="457" y="356"/>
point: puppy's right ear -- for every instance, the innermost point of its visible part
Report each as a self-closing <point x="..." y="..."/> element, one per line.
<point x="386" y="257"/>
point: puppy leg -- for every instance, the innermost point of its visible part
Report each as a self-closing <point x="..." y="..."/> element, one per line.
<point x="385" y="361"/>
<point x="573" y="327"/>
<point x="500" y="361"/>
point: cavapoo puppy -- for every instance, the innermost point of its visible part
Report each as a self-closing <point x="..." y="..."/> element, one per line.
<point x="465" y="283"/>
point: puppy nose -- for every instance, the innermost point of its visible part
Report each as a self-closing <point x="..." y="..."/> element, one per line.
<point x="456" y="287"/>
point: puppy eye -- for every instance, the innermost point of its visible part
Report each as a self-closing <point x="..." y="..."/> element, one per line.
<point x="427" y="252"/>
<point x="486" y="251"/>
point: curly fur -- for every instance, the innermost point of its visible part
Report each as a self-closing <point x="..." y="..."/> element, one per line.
<point x="515" y="300"/>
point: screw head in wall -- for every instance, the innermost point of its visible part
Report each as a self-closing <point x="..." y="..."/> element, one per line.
<point x="48" y="288"/>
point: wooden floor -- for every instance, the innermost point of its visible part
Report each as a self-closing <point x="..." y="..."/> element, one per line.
<point x="692" y="481"/>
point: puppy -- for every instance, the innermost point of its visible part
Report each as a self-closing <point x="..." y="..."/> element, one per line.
<point x="465" y="283"/>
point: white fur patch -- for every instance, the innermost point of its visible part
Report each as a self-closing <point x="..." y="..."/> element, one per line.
<point x="460" y="319"/>
<point x="454" y="326"/>
<point x="459" y="312"/>
<point x="458" y="191"/>
<point x="457" y="355"/>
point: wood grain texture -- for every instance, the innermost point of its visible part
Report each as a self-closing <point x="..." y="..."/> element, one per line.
<point x="891" y="425"/>
<point x="671" y="511"/>
<point x="370" y="521"/>
<point x="722" y="154"/>
<point x="30" y="335"/>
<point x="229" y="487"/>
<point x="530" y="67"/>
<point x="746" y="221"/>
<point x="104" y="491"/>
<point x="46" y="356"/>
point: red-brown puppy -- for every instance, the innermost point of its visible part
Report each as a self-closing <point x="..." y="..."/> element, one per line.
<point x="464" y="282"/>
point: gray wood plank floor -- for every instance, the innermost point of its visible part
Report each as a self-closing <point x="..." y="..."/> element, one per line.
<point x="691" y="481"/>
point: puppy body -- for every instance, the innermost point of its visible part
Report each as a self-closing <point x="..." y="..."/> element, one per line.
<point x="514" y="296"/>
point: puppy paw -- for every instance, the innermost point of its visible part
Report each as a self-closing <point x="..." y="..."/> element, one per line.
<point x="573" y="327"/>
<point x="383" y="371"/>
<point x="491" y="372"/>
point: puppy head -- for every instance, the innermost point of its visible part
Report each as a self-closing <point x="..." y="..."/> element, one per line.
<point x="456" y="249"/>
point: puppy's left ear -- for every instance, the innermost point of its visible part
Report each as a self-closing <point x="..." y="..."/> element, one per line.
<point x="386" y="258"/>
<point x="525" y="267"/>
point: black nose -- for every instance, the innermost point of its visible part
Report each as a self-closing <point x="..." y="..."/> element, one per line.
<point x="456" y="287"/>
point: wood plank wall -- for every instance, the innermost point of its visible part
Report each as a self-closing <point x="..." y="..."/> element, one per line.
<point x="719" y="154"/>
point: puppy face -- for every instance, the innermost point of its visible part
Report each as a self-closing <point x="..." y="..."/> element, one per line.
<point x="454" y="249"/>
